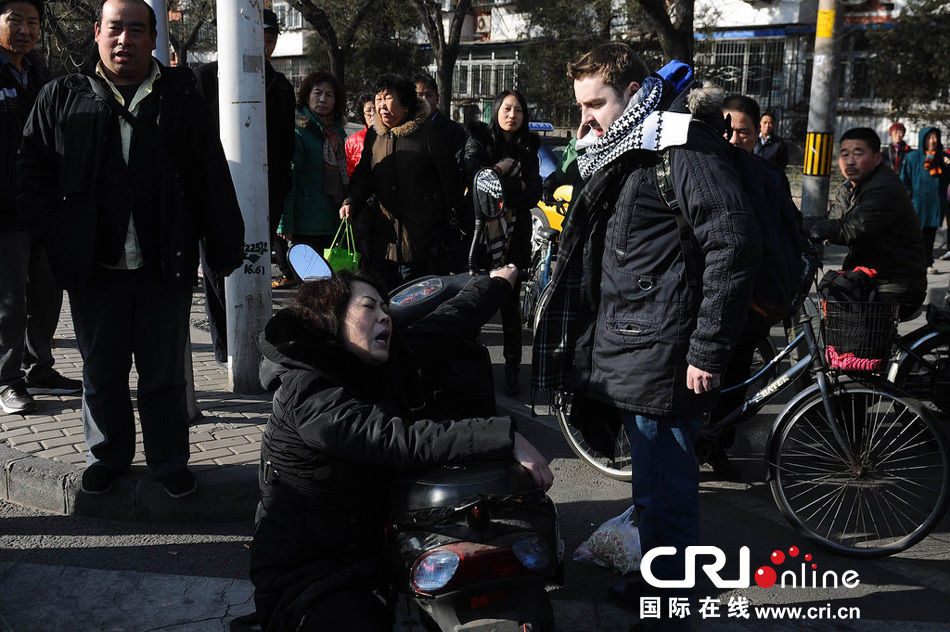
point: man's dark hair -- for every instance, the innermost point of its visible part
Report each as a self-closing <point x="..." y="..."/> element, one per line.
<point x="303" y="92"/>
<point x="37" y="4"/>
<point x="744" y="104"/>
<point x="152" y="22"/>
<point x="866" y="134"/>
<point x="321" y="304"/>
<point x="404" y="90"/>
<point x="427" y="80"/>
<point x="616" y="64"/>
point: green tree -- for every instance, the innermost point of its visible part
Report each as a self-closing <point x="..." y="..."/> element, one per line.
<point x="909" y="60"/>
<point x="337" y="23"/>
<point x="445" y="44"/>
<point x="194" y="27"/>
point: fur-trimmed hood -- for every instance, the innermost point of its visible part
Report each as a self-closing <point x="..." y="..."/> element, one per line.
<point x="406" y="127"/>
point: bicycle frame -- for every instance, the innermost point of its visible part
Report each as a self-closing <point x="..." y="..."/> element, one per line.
<point x="813" y="359"/>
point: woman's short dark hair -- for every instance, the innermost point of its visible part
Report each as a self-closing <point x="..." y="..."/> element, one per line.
<point x="314" y="78"/>
<point x="362" y="100"/>
<point x="521" y="134"/>
<point x="322" y="303"/>
<point x="37" y="4"/>
<point x="404" y="90"/>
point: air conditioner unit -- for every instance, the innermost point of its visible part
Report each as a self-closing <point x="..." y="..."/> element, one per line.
<point x="483" y="23"/>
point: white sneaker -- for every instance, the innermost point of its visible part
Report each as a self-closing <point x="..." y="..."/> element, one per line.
<point x="932" y="270"/>
<point x="945" y="256"/>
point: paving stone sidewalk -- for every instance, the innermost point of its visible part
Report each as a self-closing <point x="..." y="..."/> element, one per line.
<point x="42" y="454"/>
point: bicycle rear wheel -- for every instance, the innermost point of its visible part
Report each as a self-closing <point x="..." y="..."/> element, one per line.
<point x="883" y="497"/>
<point x="618" y="466"/>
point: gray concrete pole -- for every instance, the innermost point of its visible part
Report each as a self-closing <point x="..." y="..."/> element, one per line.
<point x="819" y="143"/>
<point x="244" y="137"/>
<point x="161" y="25"/>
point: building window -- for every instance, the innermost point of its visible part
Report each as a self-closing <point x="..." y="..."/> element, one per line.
<point x="753" y="67"/>
<point x="484" y="78"/>
<point x="288" y="17"/>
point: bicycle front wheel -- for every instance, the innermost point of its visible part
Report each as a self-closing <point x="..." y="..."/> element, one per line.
<point x="883" y="494"/>
<point x="618" y="466"/>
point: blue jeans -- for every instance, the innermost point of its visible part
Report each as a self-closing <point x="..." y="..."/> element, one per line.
<point x="665" y="486"/>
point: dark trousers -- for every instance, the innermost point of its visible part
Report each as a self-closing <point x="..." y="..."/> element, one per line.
<point x="510" y="310"/>
<point x="930" y="235"/>
<point x="119" y="316"/>
<point x="737" y="371"/>
<point x="30" y="303"/>
<point x="215" y="308"/>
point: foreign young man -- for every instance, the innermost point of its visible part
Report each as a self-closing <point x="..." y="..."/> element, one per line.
<point x="872" y="214"/>
<point x="121" y="174"/>
<point x="29" y="299"/>
<point x="647" y="301"/>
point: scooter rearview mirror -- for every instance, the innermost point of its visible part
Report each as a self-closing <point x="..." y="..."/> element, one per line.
<point x="308" y="264"/>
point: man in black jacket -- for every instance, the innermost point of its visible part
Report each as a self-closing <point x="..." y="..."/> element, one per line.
<point x="29" y="299"/>
<point x="122" y="173"/>
<point x="647" y="300"/>
<point x="872" y="214"/>
<point x="279" y="105"/>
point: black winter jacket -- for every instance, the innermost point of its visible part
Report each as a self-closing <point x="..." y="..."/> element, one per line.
<point x="15" y="105"/>
<point x="412" y="173"/>
<point x="280" y="111"/>
<point x="482" y="150"/>
<point x="67" y="140"/>
<point x="339" y="432"/>
<point x="877" y="222"/>
<point x="661" y="300"/>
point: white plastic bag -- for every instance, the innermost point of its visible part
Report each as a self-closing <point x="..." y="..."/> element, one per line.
<point x="615" y="544"/>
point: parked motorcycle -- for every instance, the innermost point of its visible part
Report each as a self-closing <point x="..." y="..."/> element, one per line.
<point x="473" y="546"/>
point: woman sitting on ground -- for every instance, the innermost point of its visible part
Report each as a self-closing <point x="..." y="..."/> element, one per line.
<point x="342" y="427"/>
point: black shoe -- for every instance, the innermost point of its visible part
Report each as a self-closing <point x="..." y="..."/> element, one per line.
<point x="512" y="385"/>
<point x="722" y="466"/>
<point x="179" y="484"/>
<point x="98" y="479"/>
<point x="54" y="384"/>
<point x="16" y="400"/>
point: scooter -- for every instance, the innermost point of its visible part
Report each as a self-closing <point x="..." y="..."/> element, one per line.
<point x="471" y="547"/>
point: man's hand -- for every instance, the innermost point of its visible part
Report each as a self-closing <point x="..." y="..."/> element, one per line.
<point x="700" y="381"/>
<point x="508" y="273"/>
<point x="531" y="460"/>
<point x="286" y="236"/>
<point x="345" y="211"/>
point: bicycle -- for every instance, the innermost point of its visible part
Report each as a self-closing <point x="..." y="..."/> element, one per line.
<point x="544" y="252"/>
<point x="921" y="365"/>
<point x="855" y="465"/>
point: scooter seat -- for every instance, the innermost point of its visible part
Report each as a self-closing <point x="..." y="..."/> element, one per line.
<point x="450" y="485"/>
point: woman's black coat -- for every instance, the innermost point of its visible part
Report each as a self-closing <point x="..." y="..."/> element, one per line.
<point x="482" y="150"/>
<point x="339" y="432"/>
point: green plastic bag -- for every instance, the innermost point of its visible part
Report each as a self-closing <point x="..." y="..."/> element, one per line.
<point x="342" y="255"/>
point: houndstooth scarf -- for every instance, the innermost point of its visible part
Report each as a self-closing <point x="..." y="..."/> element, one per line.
<point x="640" y="126"/>
<point x="568" y="304"/>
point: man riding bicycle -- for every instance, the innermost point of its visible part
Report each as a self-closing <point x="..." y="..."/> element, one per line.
<point x="872" y="214"/>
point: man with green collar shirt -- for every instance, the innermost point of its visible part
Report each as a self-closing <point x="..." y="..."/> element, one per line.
<point x="122" y="174"/>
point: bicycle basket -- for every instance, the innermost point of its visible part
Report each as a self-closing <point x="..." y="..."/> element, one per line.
<point x="858" y="336"/>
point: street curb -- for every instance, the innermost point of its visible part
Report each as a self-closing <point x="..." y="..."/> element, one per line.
<point x="225" y="494"/>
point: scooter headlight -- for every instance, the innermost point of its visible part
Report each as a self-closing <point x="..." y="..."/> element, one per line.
<point x="434" y="570"/>
<point x="532" y="553"/>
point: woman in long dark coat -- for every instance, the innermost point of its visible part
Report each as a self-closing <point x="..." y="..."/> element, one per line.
<point x="507" y="147"/>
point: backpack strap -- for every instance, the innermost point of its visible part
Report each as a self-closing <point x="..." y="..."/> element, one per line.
<point x="664" y="186"/>
<point x="109" y="99"/>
